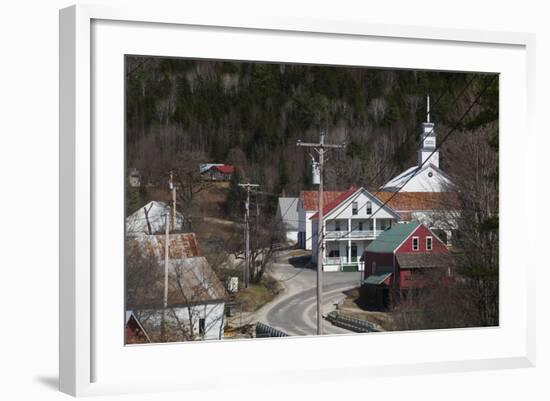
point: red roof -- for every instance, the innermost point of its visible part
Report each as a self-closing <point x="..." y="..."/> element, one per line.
<point x="335" y="202"/>
<point x="309" y="198"/>
<point x="412" y="201"/>
<point x="225" y="169"/>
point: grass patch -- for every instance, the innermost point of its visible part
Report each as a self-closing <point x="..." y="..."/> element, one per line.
<point x="257" y="295"/>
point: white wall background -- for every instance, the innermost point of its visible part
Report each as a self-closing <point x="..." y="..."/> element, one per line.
<point x="29" y="201"/>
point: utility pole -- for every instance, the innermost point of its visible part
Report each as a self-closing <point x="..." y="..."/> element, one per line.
<point x="166" y="261"/>
<point x="247" y="262"/>
<point x="321" y="148"/>
<point x="173" y="209"/>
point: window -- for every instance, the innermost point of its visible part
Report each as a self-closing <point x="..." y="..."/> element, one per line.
<point x="429" y="242"/>
<point x="337" y="225"/>
<point x="360" y="228"/>
<point x="369" y="207"/>
<point x="354" y="208"/>
<point x="415" y="243"/>
<point x="202" y="326"/>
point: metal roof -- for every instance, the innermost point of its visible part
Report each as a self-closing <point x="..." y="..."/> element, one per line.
<point x="191" y="281"/>
<point x="390" y="239"/>
<point x="181" y="246"/>
<point x="153" y="216"/>
<point x="420" y="201"/>
<point x="310" y="198"/>
<point x="377" y="279"/>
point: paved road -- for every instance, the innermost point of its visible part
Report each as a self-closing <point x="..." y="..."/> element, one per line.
<point x="295" y="310"/>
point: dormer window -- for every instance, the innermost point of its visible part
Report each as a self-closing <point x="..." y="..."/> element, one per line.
<point x="354" y="208"/>
<point x="369" y="207"/>
<point x="415" y="243"/>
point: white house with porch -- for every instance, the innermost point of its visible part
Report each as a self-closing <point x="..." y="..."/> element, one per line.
<point x="350" y="223"/>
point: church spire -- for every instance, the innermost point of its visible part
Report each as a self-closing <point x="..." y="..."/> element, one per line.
<point x="428" y="108"/>
<point x="428" y="140"/>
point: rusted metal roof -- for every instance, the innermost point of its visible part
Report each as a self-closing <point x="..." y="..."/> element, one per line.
<point x="335" y="202"/>
<point x="181" y="245"/>
<point x="420" y="201"/>
<point x="310" y="199"/>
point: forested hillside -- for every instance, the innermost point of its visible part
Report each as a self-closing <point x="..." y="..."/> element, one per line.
<point x="252" y="114"/>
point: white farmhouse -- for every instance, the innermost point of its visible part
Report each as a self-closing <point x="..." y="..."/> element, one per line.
<point x="350" y="223"/>
<point x="425" y="176"/>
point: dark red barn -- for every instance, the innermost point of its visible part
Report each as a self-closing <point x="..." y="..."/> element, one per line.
<point x="404" y="259"/>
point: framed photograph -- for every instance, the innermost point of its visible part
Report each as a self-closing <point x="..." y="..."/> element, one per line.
<point x="346" y="196"/>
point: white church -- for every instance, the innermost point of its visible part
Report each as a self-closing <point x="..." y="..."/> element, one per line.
<point x="427" y="180"/>
<point x="425" y="176"/>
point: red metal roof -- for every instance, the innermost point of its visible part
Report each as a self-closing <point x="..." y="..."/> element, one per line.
<point x="309" y="198"/>
<point x="335" y="202"/>
<point x="414" y="201"/>
<point x="225" y="169"/>
<point x="181" y="245"/>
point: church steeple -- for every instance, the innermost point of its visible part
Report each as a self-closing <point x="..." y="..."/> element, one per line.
<point x="428" y="140"/>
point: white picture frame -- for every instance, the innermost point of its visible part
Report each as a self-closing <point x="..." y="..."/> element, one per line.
<point x="87" y="364"/>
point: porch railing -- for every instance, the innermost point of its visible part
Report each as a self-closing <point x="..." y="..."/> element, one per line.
<point x="353" y="234"/>
<point x="339" y="260"/>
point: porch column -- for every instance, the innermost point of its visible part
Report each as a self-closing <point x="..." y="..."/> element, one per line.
<point x="324" y="241"/>
<point x="349" y="250"/>
<point x="374" y="226"/>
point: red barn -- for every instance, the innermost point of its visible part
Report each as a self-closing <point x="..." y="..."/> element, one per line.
<point x="403" y="259"/>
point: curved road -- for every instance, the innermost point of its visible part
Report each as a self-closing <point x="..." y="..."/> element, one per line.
<point x="295" y="310"/>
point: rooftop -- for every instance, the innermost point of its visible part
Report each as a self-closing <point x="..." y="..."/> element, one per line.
<point x="181" y="245"/>
<point x="414" y="201"/>
<point x="390" y="239"/>
<point x="310" y="199"/>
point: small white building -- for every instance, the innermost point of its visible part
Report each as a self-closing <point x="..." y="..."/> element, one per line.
<point x="196" y="297"/>
<point x="287" y="216"/>
<point x="151" y="219"/>
<point x="350" y="223"/>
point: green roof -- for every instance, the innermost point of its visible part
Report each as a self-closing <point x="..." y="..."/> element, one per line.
<point x="377" y="279"/>
<point x="392" y="238"/>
